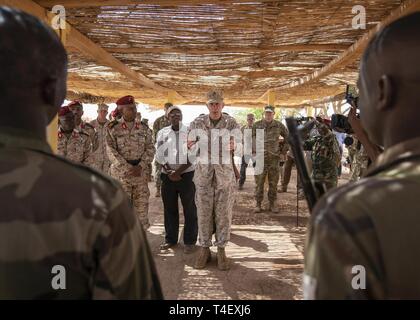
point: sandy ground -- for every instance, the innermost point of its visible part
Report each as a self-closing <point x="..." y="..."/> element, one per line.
<point x="266" y="251"/>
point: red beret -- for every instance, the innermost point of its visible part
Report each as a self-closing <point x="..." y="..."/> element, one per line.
<point x="115" y="113"/>
<point x="63" y="111"/>
<point x="74" y="103"/>
<point x="127" y="100"/>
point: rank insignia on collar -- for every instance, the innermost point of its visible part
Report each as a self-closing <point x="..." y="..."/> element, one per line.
<point x="124" y="125"/>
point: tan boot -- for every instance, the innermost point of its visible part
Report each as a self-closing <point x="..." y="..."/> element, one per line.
<point x="222" y="260"/>
<point x="273" y="207"/>
<point x="258" y="208"/>
<point x="282" y="189"/>
<point x="204" y="256"/>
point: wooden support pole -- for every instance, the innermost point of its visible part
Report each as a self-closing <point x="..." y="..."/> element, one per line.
<point x="271" y="98"/>
<point x="310" y="112"/>
<point x="171" y="96"/>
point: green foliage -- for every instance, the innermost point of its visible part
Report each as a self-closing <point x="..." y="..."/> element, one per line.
<point x="281" y="114"/>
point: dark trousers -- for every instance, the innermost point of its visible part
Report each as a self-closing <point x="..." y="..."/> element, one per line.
<point x="244" y="165"/>
<point x="170" y="190"/>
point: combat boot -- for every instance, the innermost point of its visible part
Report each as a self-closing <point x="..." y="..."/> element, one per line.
<point x="258" y="208"/>
<point x="282" y="189"/>
<point x="157" y="194"/>
<point x="222" y="261"/>
<point x="273" y="207"/>
<point x="204" y="256"/>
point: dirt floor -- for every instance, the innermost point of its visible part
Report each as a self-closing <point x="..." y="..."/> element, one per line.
<point x="266" y="251"/>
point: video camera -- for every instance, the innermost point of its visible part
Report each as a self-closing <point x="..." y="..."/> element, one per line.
<point x="302" y="120"/>
<point x="340" y="122"/>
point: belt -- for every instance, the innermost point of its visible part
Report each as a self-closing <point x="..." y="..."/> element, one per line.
<point x="134" y="162"/>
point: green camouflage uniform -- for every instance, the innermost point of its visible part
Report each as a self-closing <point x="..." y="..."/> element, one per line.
<point x="159" y="124"/>
<point x="325" y="159"/>
<point x="359" y="164"/>
<point x="373" y="223"/>
<point x="75" y="147"/>
<point x="55" y="212"/>
<point x="272" y="152"/>
<point x="135" y="144"/>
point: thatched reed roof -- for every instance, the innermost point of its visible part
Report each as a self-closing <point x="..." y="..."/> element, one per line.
<point x="302" y="49"/>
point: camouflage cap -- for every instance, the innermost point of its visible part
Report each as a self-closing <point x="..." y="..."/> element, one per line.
<point x="269" y="109"/>
<point x="103" y="106"/>
<point x="214" y="96"/>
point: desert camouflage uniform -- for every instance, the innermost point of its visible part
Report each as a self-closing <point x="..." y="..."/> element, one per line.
<point x="76" y="147"/>
<point x="159" y="124"/>
<point x="215" y="188"/>
<point x="373" y="223"/>
<point x="272" y="133"/>
<point x="93" y="135"/>
<point x="150" y="170"/>
<point x="135" y="144"/>
<point x="99" y="158"/>
<point x="55" y="212"/>
<point x="325" y="159"/>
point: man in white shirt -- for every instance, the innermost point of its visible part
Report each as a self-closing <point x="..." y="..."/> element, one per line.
<point x="177" y="179"/>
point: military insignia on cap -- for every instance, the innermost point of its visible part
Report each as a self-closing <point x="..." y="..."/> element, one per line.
<point x="214" y="96"/>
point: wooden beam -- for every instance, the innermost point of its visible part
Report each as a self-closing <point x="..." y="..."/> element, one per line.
<point x="271" y="98"/>
<point x="86" y="46"/>
<point x="192" y="51"/>
<point x="100" y="3"/>
<point x="355" y="51"/>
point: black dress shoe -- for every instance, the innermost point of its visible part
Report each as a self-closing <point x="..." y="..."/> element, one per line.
<point x="166" y="245"/>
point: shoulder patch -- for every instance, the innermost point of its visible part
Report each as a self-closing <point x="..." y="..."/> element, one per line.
<point x="112" y="124"/>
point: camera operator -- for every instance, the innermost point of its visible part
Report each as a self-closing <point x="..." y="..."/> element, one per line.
<point x="372" y="227"/>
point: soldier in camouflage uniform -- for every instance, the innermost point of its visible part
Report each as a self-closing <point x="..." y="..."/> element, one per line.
<point x="215" y="185"/>
<point x="72" y="144"/>
<point x="250" y="119"/>
<point x="130" y="150"/>
<point x="99" y="159"/>
<point x="360" y="161"/>
<point x="77" y="108"/>
<point x="364" y="236"/>
<point x="159" y="124"/>
<point x="273" y="130"/>
<point x="55" y="212"/>
<point x="325" y="156"/>
<point x="145" y="122"/>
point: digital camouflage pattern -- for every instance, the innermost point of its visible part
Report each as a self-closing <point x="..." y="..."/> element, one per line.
<point x="372" y="223"/>
<point x="75" y="146"/>
<point x="99" y="158"/>
<point x="215" y="189"/>
<point x="123" y="145"/>
<point x="55" y="212"/>
<point x="272" y="133"/>
<point x="326" y="158"/>
<point x="90" y="130"/>
<point x="272" y="154"/>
